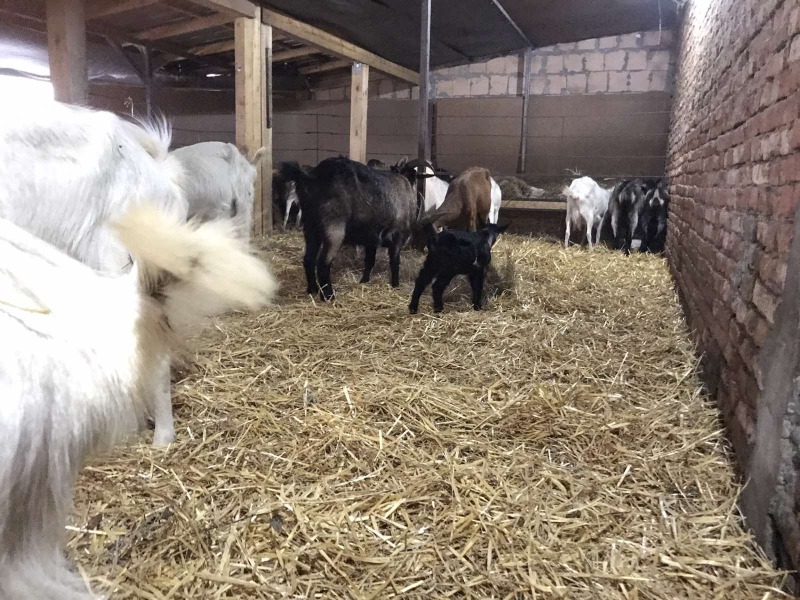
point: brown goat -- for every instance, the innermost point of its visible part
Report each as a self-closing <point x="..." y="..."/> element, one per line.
<point x="468" y="201"/>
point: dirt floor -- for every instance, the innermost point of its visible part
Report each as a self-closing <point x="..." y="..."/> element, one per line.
<point x="555" y="445"/>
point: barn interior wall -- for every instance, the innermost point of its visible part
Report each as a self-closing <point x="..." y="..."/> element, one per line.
<point x="734" y="164"/>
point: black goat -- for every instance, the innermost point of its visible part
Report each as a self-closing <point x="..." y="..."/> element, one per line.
<point x="653" y="218"/>
<point x="638" y="209"/>
<point x="452" y="252"/>
<point x="625" y="205"/>
<point x="346" y="202"/>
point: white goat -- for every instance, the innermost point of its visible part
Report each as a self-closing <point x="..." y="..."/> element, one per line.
<point x="497" y="198"/>
<point x="219" y="182"/>
<point x="80" y="351"/>
<point x="65" y="171"/>
<point x="587" y="204"/>
<point x="291" y="200"/>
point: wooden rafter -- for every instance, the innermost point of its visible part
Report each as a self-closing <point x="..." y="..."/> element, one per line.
<point x="215" y="48"/>
<point x="237" y="8"/>
<point x="333" y="65"/>
<point x="97" y="9"/>
<point x="287" y="55"/>
<point x="184" y="27"/>
<point x="336" y="46"/>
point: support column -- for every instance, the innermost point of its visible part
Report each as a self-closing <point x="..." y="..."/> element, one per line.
<point x="252" y="127"/>
<point x="424" y="147"/>
<point x="359" y="100"/>
<point x="526" y="96"/>
<point x="66" y="47"/>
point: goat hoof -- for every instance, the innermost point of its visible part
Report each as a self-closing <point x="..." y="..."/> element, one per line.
<point x="364" y="279"/>
<point x="395" y="284"/>
<point x="476" y="307"/>
<point x="412" y="310"/>
<point x="161" y="439"/>
<point x="438" y="309"/>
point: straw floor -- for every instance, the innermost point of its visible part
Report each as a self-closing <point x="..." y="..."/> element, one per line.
<point x="555" y="445"/>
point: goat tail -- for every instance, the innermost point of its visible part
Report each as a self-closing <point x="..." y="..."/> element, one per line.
<point x="195" y="269"/>
<point x="42" y="573"/>
<point x="260" y="153"/>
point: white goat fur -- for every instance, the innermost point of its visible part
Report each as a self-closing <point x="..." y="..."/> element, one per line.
<point x="291" y="200"/>
<point x="79" y="352"/>
<point x="587" y="204"/>
<point x="497" y="198"/>
<point x="435" y="191"/>
<point x="66" y="171"/>
<point x="219" y="183"/>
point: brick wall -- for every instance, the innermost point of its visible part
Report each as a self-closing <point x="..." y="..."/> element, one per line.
<point x="633" y="63"/>
<point x="735" y="173"/>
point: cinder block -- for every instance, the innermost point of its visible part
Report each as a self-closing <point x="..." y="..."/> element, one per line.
<point x="479" y="86"/>
<point x="576" y="84"/>
<point x="337" y="94"/>
<point x="538" y="85"/>
<point x="607" y="43"/>
<point x="639" y="81"/>
<point x="598" y="83"/>
<point x="444" y="89"/>
<point x="630" y="40"/>
<point x="554" y="64"/>
<point x="415" y="92"/>
<point x="615" y="61"/>
<point x="655" y="39"/>
<point x="658" y="81"/>
<point x="594" y="61"/>
<point x="556" y="84"/>
<point x="498" y="85"/>
<point x="513" y="85"/>
<point x="659" y="60"/>
<point x="461" y="88"/>
<point x="587" y="44"/>
<point x="496" y="65"/>
<point x="322" y="95"/>
<point x="403" y="94"/>
<point x="617" y="82"/>
<point x="637" y="60"/>
<point x="564" y="47"/>
<point x="477" y="68"/>
<point x="513" y="65"/>
<point x="573" y="63"/>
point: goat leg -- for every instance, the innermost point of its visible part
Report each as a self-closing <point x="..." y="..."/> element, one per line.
<point x="476" y="279"/>
<point x="394" y="258"/>
<point x="438" y="288"/>
<point x="369" y="262"/>
<point x="309" y="262"/>
<point x="424" y="279"/>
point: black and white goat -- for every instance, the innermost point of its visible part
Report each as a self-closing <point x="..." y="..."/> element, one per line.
<point x="639" y="214"/>
<point x="450" y="253"/>
<point x="347" y="202"/>
<point x="653" y="219"/>
<point x="80" y="354"/>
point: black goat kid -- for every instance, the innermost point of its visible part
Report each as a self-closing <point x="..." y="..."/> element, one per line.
<point x="450" y="253"/>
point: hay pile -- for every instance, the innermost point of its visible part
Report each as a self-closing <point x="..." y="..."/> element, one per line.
<point x="555" y="445"/>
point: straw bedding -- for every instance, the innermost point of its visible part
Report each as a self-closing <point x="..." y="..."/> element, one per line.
<point x="555" y="445"/>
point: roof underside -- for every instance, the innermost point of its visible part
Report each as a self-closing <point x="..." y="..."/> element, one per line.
<point x="190" y="40"/>
<point x="469" y="30"/>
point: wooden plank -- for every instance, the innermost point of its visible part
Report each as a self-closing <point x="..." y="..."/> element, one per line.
<point x="534" y="204"/>
<point x="215" y="48"/>
<point x="288" y="55"/>
<point x="359" y="89"/>
<point x="250" y="104"/>
<point x="336" y="46"/>
<point x="266" y="131"/>
<point x="107" y="8"/>
<point x="66" y="47"/>
<point x="183" y="27"/>
<point x="237" y="8"/>
<point x="423" y="122"/>
<point x="333" y="65"/>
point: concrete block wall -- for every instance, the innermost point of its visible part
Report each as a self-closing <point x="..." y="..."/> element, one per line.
<point x="734" y="163"/>
<point x="632" y="63"/>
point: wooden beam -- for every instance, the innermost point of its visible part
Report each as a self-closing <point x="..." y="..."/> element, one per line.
<point x="288" y="55"/>
<point x="108" y="8"/>
<point x="333" y="65"/>
<point x="336" y="46"/>
<point x="359" y="100"/>
<point x="183" y="27"/>
<point x="251" y="81"/>
<point x="526" y="96"/>
<point x="266" y="130"/>
<point x="215" y="48"/>
<point x="66" y="47"/>
<point x="236" y="8"/>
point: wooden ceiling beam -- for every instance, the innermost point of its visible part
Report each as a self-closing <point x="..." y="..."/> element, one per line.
<point x="333" y="65"/>
<point x="334" y="45"/>
<point x="215" y="48"/>
<point x="97" y="9"/>
<point x="236" y="8"/>
<point x="184" y="27"/>
<point x="287" y="55"/>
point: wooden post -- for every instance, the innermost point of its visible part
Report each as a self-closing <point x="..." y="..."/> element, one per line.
<point x="266" y="132"/>
<point x="424" y="147"/>
<point x="251" y="108"/>
<point x="359" y="88"/>
<point x="147" y="69"/>
<point x="526" y="93"/>
<point x="66" y="47"/>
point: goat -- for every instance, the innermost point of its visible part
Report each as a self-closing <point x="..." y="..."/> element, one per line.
<point x="65" y="172"/>
<point x="497" y="199"/>
<point x="627" y="204"/>
<point x="435" y="186"/>
<point x="653" y="217"/>
<point x="452" y="253"/>
<point x="587" y="204"/>
<point x="469" y="202"/>
<point x="80" y="353"/>
<point x="219" y="182"/>
<point x="284" y="197"/>
<point x="346" y="202"/>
